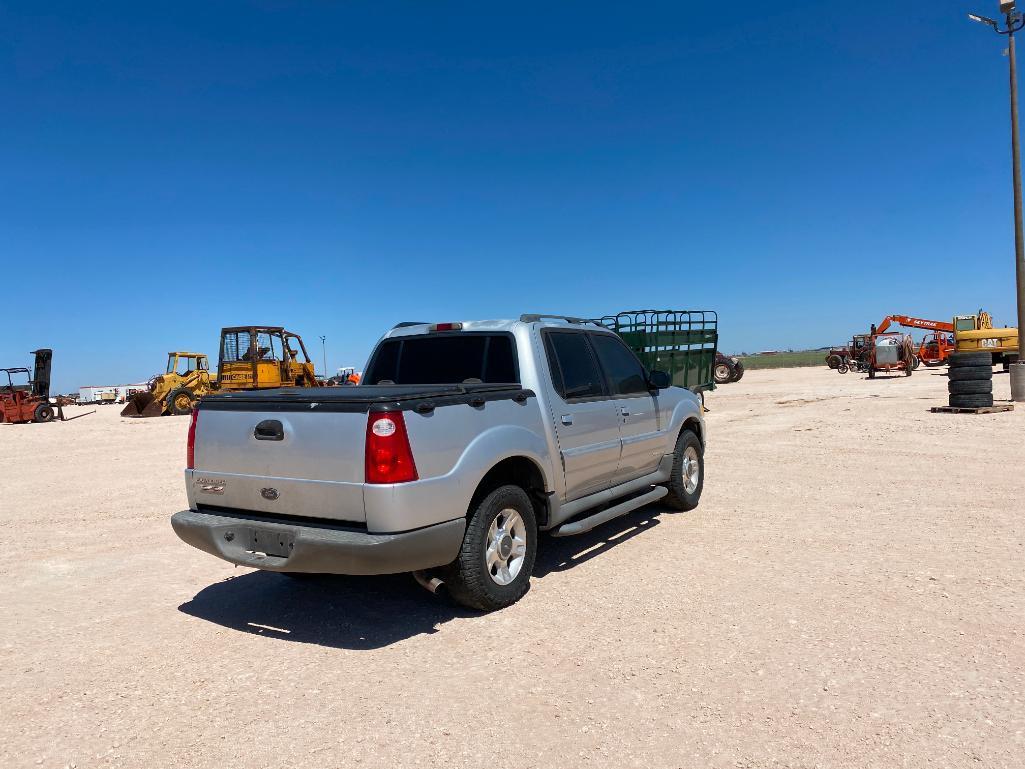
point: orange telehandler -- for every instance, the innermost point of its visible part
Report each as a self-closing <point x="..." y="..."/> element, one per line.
<point x="935" y="348"/>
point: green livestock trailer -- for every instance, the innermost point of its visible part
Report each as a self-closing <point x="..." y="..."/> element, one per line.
<point x="682" y="343"/>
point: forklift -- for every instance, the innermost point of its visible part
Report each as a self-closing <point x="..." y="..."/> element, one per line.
<point x="28" y="402"/>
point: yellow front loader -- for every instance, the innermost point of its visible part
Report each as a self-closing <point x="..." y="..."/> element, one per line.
<point x="176" y="391"/>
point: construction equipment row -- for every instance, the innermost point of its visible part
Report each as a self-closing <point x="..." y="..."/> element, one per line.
<point x="250" y="358"/>
<point x="965" y="333"/>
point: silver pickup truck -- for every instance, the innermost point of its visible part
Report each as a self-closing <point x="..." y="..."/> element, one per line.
<point x="465" y="442"/>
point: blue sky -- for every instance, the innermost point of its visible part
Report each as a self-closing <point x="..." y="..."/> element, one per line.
<point x="803" y="168"/>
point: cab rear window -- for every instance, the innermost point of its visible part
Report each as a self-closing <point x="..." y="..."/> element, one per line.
<point x="460" y="358"/>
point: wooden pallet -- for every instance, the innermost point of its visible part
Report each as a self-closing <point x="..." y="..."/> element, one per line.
<point x="979" y="410"/>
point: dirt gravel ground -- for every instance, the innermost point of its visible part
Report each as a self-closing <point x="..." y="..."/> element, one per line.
<point x="850" y="593"/>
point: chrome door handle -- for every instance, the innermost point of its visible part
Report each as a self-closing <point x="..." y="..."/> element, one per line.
<point x="567" y="419"/>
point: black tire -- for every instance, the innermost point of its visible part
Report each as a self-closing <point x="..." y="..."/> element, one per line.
<point x="43" y="413"/>
<point x="917" y="360"/>
<point x="834" y="361"/>
<point x="842" y="368"/>
<point x="678" y="496"/>
<point x="871" y="373"/>
<point x="468" y="579"/>
<point x="971" y="401"/>
<point x="970" y="386"/>
<point x="970" y="373"/>
<point x="738" y="371"/>
<point x="179" y="409"/>
<point x="722" y="372"/>
<point x="961" y="359"/>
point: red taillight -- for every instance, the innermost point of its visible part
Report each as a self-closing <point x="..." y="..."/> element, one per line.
<point x="446" y="327"/>
<point x="190" y="451"/>
<point x="389" y="458"/>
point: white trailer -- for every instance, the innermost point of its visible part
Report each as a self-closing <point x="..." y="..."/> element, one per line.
<point x="109" y="393"/>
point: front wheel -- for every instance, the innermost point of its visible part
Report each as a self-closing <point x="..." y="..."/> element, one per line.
<point x="494" y="564"/>
<point x="180" y="402"/>
<point x="688" y="474"/>
<point x="43" y="413"/>
<point x="842" y="368"/>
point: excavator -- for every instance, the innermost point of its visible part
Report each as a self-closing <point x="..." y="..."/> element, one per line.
<point x="975" y="333"/>
<point x="935" y="348"/>
<point x="251" y="358"/>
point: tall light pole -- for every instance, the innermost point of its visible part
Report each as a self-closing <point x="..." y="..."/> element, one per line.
<point x="323" y="346"/>
<point x="1013" y="23"/>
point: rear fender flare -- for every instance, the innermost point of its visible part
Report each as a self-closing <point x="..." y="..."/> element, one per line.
<point x="495" y="445"/>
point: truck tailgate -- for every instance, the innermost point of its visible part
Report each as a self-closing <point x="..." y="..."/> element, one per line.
<point x="300" y="463"/>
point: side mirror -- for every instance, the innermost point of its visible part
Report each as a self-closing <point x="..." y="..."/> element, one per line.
<point x="659" y="380"/>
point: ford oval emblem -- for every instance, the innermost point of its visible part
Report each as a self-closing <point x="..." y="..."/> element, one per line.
<point x="269" y="493"/>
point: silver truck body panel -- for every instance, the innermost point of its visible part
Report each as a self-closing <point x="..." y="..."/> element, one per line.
<point x="588" y="452"/>
<point x="318" y="467"/>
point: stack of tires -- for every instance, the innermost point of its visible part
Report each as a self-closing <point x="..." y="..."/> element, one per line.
<point x="971" y="380"/>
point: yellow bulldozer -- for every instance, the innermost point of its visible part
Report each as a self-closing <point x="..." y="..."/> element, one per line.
<point x="251" y="358"/>
<point x="975" y="333"/>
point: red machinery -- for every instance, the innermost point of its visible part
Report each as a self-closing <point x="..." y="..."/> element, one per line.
<point x="854" y="356"/>
<point x="890" y="352"/>
<point x="935" y="348"/>
<point x="28" y="402"/>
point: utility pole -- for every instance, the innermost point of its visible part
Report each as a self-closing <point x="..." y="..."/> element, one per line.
<point x="1013" y="23"/>
<point x="323" y="345"/>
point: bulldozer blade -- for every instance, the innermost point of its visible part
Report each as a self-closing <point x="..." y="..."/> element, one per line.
<point x="142" y="405"/>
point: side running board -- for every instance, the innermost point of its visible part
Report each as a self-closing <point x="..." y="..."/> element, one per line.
<point x="586" y="524"/>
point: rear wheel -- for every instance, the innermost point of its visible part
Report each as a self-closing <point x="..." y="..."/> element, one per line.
<point x="738" y="371"/>
<point x="180" y="401"/>
<point x="43" y="413"/>
<point x="688" y="474"/>
<point x="723" y="373"/>
<point x="842" y="368"/>
<point x="494" y="564"/>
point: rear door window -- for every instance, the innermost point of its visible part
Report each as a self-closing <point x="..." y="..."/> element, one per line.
<point x="575" y="372"/>
<point x="464" y="358"/>
<point x="621" y="366"/>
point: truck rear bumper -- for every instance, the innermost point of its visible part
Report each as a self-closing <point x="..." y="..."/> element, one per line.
<point x="275" y="546"/>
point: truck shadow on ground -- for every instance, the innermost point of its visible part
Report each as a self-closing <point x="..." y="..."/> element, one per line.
<point x="363" y="613"/>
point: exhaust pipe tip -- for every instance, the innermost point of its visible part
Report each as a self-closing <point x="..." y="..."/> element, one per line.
<point x="429" y="583"/>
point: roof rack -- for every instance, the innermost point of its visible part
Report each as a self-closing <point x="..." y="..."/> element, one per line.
<point x="534" y="318"/>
